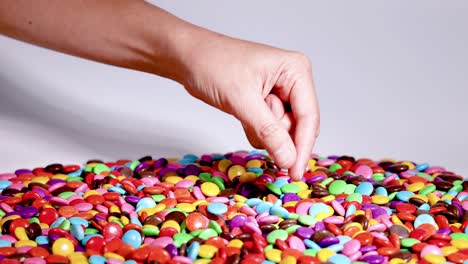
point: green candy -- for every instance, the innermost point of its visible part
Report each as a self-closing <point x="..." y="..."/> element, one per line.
<point x="2" y="213"/>
<point x="349" y="188"/>
<point x="409" y="242"/>
<point x="118" y="222"/>
<point x="424" y="175"/>
<point x="428" y="189"/>
<point x="205" y="176"/>
<point x="326" y="181"/>
<point x="293" y="216"/>
<point x="196" y="233"/>
<point x="181" y="238"/>
<point x="207" y="233"/>
<point x="65" y="225"/>
<point x="215" y="226"/>
<point x="149" y="230"/>
<point x="91" y="231"/>
<point x="306" y="220"/>
<point x="310" y="252"/>
<point x="158" y="197"/>
<point x="277" y="234"/>
<point x="457" y="182"/>
<point x="134" y="164"/>
<point x="101" y="167"/>
<point x="456" y="188"/>
<point x="337" y="187"/>
<point x="273" y="188"/>
<point x="290" y="188"/>
<point x="269" y="247"/>
<point x="76" y="178"/>
<point x="392" y="196"/>
<point x="461" y="236"/>
<point x="356" y="197"/>
<point x="66" y="195"/>
<point x="34" y="220"/>
<point x="219" y="182"/>
<point x="378" y="177"/>
<point x="292" y="229"/>
<point x="334" y="167"/>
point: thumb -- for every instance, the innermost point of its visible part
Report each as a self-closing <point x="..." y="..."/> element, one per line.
<point x="256" y="116"/>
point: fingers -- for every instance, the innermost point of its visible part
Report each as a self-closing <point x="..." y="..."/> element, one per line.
<point x="306" y="112"/>
<point x="264" y="128"/>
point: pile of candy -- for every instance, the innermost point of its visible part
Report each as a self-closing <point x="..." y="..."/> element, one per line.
<point x="234" y="208"/>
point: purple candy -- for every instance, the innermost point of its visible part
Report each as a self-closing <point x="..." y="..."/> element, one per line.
<point x="55" y="181"/>
<point x="162" y="162"/>
<point x="319" y="226"/>
<point x="237" y="221"/>
<point x="444" y="231"/>
<point x="315" y="179"/>
<point x="132" y="199"/>
<point x="366" y="249"/>
<point x="237" y="160"/>
<point x="254" y="157"/>
<point x="172" y="250"/>
<point x="22" y="171"/>
<point x="166" y="170"/>
<point x="28" y="211"/>
<point x="328" y="241"/>
<point x="374" y="259"/>
<point x="143" y="165"/>
<point x="304" y="232"/>
<point x="290" y="197"/>
<point x="192" y="169"/>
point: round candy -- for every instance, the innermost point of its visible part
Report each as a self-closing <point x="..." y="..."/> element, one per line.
<point x="63" y="247"/>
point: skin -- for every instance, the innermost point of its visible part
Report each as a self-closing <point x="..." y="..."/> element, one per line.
<point x="269" y="90"/>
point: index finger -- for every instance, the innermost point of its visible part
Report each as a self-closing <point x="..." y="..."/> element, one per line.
<point x="306" y="111"/>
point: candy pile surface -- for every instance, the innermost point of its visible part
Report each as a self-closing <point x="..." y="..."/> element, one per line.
<point x="234" y="208"/>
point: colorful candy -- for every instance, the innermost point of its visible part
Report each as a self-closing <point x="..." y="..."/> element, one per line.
<point x="234" y="208"/>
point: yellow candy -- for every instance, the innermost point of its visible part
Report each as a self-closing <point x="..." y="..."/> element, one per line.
<point x="311" y="164"/>
<point x="459" y="243"/>
<point x="236" y="243"/>
<point x="114" y="209"/>
<point x="447" y="197"/>
<point x="210" y="189"/>
<point x="449" y="250"/>
<point x="397" y="261"/>
<point x="90" y="192"/>
<point x="223" y="165"/>
<point x="356" y="224"/>
<point x="328" y="198"/>
<point x="200" y="202"/>
<point x="23" y="243"/>
<point x="304" y="194"/>
<point x="113" y="255"/>
<point x="292" y="203"/>
<point x="288" y="260"/>
<point x="409" y="164"/>
<point x="173" y="179"/>
<point x="396" y="220"/>
<point x="372" y="222"/>
<point x="77" y="258"/>
<point x="186" y="207"/>
<point x="434" y="259"/>
<point x="273" y="255"/>
<point x="422" y="197"/>
<point x="151" y="211"/>
<point x="11" y="217"/>
<point x="380" y="199"/>
<point x="432" y="198"/>
<point x="202" y="261"/>
<point x="63" y="247"/>
<point x="324" y="254"/>
<point x="124" y="220"/>
<point x="172" y="224"/>
<point x="360" y="212"/>
<point x="248" y="177"/>
<point x="415" y="187"/>
<point x="235" y="171"/>
<point x="60" y="176"/>
<point x="192" y="178"/>
<point x="20" y="233"/>
<point x="207" y="251"/>
<point x="253" y="164"/>
<point x="239" y="198"/>
<point x="40" y="179"/>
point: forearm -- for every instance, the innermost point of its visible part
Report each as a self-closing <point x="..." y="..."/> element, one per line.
<point x="131" y="34"/>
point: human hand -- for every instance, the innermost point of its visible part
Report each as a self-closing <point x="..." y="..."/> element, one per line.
<point x="269" y="90"/>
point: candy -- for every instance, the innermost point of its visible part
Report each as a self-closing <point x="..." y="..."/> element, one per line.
<point x="234" y="208"/>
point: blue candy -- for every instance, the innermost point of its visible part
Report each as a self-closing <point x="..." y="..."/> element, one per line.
<point x="339" y="259"/>
<point x="424" y="219"/>
<point x="133" y="238"/>
<point x="217" y="208"/>
<point x="365" y="188"/>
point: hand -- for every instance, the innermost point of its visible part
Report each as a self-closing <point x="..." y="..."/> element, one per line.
<point x="269" y="90"/>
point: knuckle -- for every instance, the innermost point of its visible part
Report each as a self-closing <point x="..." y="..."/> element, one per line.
<point x="270" y="133"/>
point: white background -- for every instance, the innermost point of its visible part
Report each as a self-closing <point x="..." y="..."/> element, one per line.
<point x="391" y="76"/>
